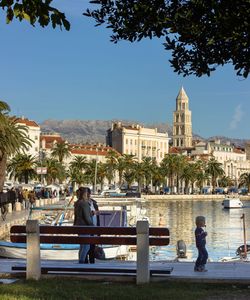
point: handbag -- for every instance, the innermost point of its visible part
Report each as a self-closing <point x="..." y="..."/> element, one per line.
<point x="99" y="253"/>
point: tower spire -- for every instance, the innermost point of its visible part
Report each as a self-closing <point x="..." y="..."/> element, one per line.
<point x="182" y="122"/>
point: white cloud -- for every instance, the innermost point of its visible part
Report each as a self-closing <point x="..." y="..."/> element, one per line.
<point x="238" y="113"/>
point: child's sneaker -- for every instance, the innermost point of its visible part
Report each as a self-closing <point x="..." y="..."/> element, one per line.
<point x="203" y="269"/>
<point x="197" y="269"/>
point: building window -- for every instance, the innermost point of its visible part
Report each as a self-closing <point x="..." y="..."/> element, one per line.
<point x="36" y="137"/>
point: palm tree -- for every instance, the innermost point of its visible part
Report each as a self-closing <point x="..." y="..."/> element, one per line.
<point x="139" y="174"/>
<point x="157" y="176"/>
<point x="214" y="169"/>
<point x="101" y="173"/>
<point x="129" y="176"/>
<point x="225" y="181"/>
<point x="76" y="177"/>
<point x="130" y="168"/>
<point x="60" y="151"/>
<point x="22" y="167"/>
<point x="188" y="175"/>
<point x="13" y="139"/>
<point x="55" y="170"/>
<point x="170" y="167"/>
<point x="147" y="166"/>
<point x="180" y="164"/>
<point x="120" y="167"/>
<point x="90" y="172"/>
<point x="79" y="163"/>
<point x="111" y="164"/>
<point x="244" y="180"/>
<point x="76" y="170"/>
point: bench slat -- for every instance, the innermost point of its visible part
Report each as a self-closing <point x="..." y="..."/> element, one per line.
<point x="96" y="269"/>
<point x="159" y="231"/>
<point x="61" y="239"/>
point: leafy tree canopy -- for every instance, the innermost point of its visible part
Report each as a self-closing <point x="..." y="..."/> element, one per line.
<point x="34" y="11"/>
<point x="201" y="35"/>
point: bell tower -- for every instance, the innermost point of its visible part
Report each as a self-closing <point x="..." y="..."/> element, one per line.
<point x="182" y="122"/>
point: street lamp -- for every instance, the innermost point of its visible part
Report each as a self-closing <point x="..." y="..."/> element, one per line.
<point x="96" y="159"/>
<point x="43" y="170"/>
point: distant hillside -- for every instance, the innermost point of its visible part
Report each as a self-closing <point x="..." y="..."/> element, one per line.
<point x="94" y="131"/>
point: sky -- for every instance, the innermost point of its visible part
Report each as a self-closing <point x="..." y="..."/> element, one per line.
<point x="79" y="74"/>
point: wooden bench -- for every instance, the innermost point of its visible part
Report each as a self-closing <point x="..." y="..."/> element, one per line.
<point x="142" y="236"/>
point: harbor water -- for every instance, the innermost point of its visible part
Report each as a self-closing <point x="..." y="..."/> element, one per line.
<point x="224" y="226"/>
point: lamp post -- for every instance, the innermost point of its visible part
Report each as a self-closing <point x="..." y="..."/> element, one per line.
<point x="96" y="159"/>
<point x="41" y="158"/>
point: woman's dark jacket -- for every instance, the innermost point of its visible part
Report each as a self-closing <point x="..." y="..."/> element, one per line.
<point x="82" y="213"/>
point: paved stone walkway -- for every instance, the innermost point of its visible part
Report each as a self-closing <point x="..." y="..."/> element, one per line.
<point x="232" y="273"/>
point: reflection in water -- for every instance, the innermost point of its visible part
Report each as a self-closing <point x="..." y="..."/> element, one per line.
<point x="224" y="227"/>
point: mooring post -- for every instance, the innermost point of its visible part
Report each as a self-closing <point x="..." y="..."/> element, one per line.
<point x="142" y="273"/>
<point x="33" y="260"/>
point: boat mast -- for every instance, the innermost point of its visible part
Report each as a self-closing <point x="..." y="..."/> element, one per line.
<point x="244" y="235"/>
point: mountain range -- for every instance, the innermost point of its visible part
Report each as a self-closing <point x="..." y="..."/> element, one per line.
<point x="94" y="131"/>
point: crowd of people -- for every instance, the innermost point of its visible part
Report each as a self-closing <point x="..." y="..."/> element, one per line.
<point x="27" y="197"/>
<point x="14" y="195"/>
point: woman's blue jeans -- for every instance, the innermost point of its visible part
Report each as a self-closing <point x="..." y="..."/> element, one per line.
<point x="84" y="249"/>
<point x="202" y="257"/>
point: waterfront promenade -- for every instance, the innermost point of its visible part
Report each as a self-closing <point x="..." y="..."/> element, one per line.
<point x="233" y="272"/>
<point x="20" y="216"/>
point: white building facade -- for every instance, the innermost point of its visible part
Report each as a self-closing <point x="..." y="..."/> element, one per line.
<point x="138" y="141"/>
<point x="234" y="160"/>
<point x="33" y="132"/>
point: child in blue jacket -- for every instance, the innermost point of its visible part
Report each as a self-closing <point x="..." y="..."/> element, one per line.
<point x="200" y="239"/>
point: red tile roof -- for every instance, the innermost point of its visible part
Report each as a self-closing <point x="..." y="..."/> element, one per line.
<point x="88" y="152"/>
<point x="50" y="140"/>
<point x="174" y="150"/>
<point x="239" y="151"/>
<point x="27" y="122"/>
<point x="90" y="149"/>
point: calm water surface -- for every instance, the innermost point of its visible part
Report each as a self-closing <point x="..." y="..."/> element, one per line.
<point x="224" y="227"/>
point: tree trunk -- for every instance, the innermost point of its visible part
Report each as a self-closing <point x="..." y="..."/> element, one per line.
<point x="3" y="162"/>
<point x="26" y="178"/>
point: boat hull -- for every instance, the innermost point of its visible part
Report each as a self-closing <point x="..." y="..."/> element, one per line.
<point x="232" y="203"/>
<point x="57" y="252"/>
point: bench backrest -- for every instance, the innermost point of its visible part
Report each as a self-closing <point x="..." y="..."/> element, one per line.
<point x="158" y="236"/>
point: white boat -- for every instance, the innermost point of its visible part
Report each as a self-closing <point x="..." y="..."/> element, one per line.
<point x="57" y="251"/>
<point x="232" y="202"/>
<point x="68" y="251"/>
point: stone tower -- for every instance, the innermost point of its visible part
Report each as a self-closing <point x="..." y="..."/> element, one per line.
<point x="182" y="122"/>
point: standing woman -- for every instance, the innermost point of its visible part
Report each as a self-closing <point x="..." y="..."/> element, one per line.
<point x="90" y="257"/>
<point x="82" y="218"/>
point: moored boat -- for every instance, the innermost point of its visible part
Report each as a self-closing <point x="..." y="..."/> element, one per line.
<point x="56" y="251"/>
<point x="232" y="202"/>
<point x="70" y="252"/>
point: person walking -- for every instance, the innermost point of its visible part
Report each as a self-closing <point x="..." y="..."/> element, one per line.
<point x="90" y="257"/>
<point x="3" y="204"/>
<point x="200" y="239"/>
<point x="82" y="218"/>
